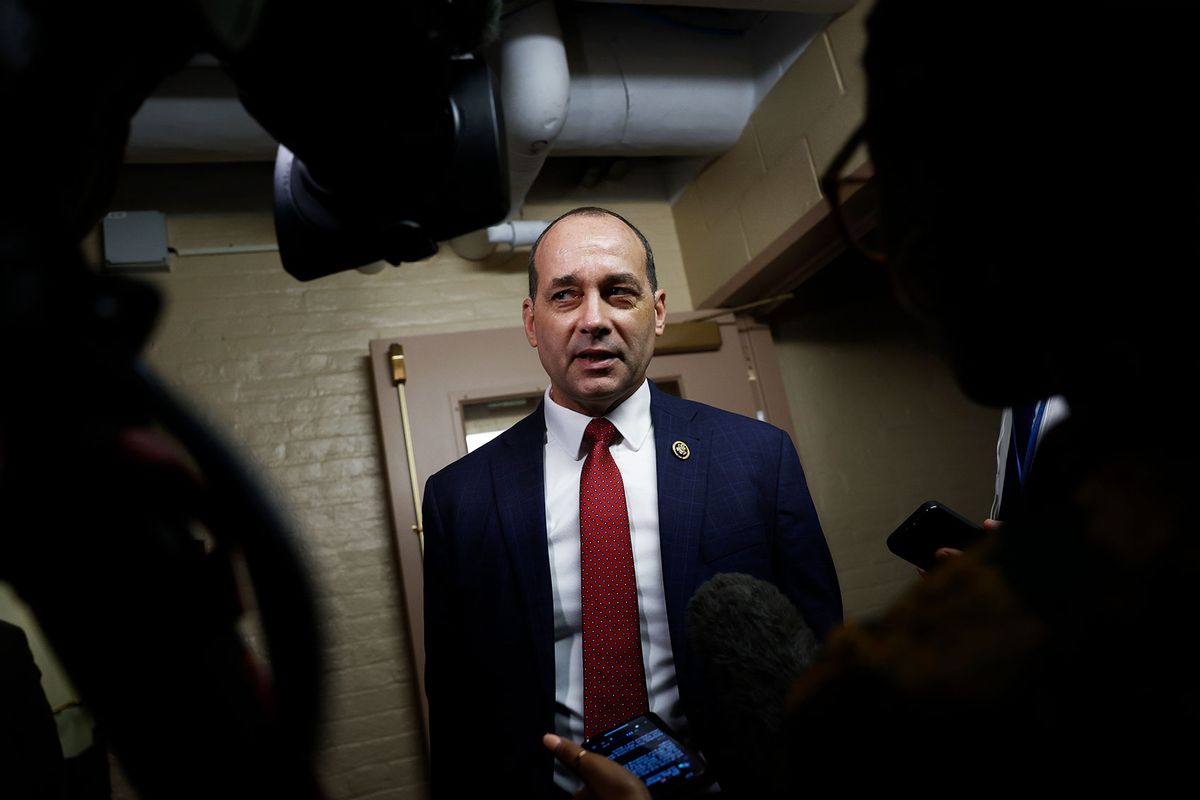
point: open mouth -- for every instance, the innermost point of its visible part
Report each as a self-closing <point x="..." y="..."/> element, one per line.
<point x="596" y="358"/>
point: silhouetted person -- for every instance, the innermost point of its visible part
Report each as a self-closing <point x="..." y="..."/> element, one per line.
<point x="1038" y="198"/>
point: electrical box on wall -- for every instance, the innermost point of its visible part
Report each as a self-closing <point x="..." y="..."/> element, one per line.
<point x="135" y="241"/>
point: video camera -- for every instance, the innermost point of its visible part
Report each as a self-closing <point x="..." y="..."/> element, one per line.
<point x="390" y="141"/>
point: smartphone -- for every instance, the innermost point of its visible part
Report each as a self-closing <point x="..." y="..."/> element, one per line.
<point x="930" y="527"/>
<point x="647" y="747"/>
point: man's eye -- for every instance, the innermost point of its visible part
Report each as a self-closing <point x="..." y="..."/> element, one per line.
<point x="562" y="294"/>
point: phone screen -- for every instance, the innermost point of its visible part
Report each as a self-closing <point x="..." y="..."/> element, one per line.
<point x="647" y="747"/>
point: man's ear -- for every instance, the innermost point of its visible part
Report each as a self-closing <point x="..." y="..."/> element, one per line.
<point x="660" y="312"/>
<point x="527" y="318"/>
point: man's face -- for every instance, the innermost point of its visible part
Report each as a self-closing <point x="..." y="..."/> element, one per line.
<point x="594" y="317"/>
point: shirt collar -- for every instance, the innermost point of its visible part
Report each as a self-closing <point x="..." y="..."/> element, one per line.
<point x="565" y="427"/>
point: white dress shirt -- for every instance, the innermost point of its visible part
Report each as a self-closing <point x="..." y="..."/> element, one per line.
<point x="1054" y="411"/>
<point x="634" y="453"/>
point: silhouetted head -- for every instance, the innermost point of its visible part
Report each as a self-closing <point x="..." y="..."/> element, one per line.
<point x="1038" y="182"/>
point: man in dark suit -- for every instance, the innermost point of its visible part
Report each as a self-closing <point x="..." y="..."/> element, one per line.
<point x="560" y="557"/>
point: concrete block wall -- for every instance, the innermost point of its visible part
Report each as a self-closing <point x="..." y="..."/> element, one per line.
<point x="281" y="367"/>
<point x="743" y="201"/>
<point x="881" y="427"/>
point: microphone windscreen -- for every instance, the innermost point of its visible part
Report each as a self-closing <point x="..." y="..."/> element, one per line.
<point x="742" y="627"/>
<point x="751" y="643"/>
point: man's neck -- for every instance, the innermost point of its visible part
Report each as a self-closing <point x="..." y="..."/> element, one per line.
<point x="598" y="410"/>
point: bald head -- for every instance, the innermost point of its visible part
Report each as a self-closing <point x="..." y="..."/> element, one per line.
<point x="590" y="211"/>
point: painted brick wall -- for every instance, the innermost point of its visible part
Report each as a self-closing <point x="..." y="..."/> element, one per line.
<point x="282" y="367"/>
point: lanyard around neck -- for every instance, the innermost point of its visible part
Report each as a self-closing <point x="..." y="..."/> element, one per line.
<point x="1025" y="458"/>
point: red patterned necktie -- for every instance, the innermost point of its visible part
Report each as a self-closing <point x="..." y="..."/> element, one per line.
<point x="614" y="681"/>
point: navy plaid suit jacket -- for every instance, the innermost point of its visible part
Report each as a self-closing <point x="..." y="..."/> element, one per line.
<point x="739" y="503"/>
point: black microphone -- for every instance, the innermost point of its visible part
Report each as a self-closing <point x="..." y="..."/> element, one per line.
<point x="750" y="643"/>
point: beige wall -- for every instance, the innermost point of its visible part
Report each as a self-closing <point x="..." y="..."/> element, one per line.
<point x="282" y="366"/>
<point x="881" y="427"/>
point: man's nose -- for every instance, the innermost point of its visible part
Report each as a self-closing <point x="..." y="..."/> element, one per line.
<point x="593" y="315"/>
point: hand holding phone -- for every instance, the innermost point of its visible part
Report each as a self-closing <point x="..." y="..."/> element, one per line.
<point x="647" y="747"/>
<point x="606" y="780"/>
<point x="930" y="528"/>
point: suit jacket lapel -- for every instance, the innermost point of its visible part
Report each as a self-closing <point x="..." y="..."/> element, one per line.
<point x="518" y="485"/>
<point x="681" y="499"/>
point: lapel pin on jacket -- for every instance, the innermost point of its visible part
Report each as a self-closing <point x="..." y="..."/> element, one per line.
<point x="681" y="451"/>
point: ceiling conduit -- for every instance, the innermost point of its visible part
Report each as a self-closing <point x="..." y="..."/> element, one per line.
<point x="637" y="89"/>
<point x="534" y="91"/>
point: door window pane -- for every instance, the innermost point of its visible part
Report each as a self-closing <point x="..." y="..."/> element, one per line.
<point x="484" y="420"/>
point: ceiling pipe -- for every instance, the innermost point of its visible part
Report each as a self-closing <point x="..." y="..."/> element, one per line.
<point x="641" y="90"/>
<point x="478" y="245"/>
<point x="534" y="91"/>
<point x="517" y="233"/>
<point x="655" y="89"/>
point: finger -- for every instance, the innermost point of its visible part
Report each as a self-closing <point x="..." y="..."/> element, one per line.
<point x="604" y="778"/>
<point x="567" y="752"/>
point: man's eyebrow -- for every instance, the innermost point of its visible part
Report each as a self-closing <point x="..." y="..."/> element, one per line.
<point x="613" y="279"/>
<point x="564" y="280"/>
<point x="623" y="277"/>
